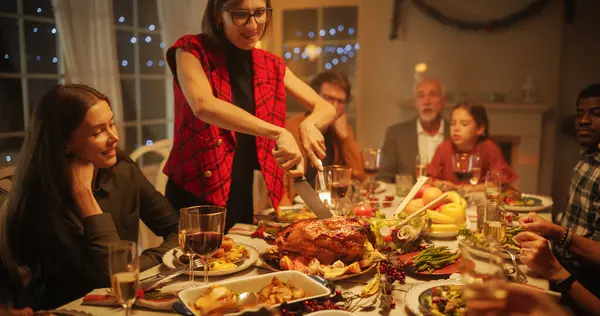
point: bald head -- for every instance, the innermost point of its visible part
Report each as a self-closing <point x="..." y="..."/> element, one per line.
<point x="429" y="100"/>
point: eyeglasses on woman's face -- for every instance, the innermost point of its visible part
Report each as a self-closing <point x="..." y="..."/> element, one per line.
<point x="242" y="17"/>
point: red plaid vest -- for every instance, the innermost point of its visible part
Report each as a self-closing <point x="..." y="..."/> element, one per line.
<point x="202" y="154"/>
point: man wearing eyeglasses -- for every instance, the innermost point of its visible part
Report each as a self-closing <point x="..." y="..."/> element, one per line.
<point x="340" y="144"/>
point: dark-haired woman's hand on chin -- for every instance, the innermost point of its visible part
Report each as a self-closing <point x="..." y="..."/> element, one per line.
<point x="82" y="175"/>
<point x="288" y="155"/>
<point x="313" y="142"/>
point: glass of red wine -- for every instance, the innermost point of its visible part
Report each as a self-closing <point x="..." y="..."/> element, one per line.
<point x="462" y="167"/>
<point x="201" y="233"/>
<point x="371" y="161"/>
<point x="337" y="180"/>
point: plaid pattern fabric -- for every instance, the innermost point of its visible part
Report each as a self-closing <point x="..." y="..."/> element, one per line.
<point x="581" y="214"/>
<point x="202" y="155"/>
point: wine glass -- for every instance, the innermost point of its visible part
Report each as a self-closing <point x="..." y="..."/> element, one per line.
<point x="482" y="273"/>
<point x="421" y="166"/>
<point x="124" y="269"/>
<point x="475" y="169"/>
<point x="371" y="161"/>
<point x="337" y="180"/>
<point x="201" y="233"/>
<point x="462" y="167"/>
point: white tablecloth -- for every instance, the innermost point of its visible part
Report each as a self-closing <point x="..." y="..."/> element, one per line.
<point x="354" y="284"/>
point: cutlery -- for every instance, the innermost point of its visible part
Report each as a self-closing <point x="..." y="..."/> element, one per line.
<point x="154" y="281"/>
<point x="311" y="198"/>
<point x="411" y="194"/>
<point x="423" y="209"/>
<point x="521" y="278"/>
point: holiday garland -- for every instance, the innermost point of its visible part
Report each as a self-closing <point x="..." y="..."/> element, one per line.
<point x="487" y="26"/>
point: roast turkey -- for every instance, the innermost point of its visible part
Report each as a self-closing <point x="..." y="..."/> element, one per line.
<point x="328" y="240"/>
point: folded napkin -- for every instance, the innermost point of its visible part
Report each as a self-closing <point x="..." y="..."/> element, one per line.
<point x="152" y="299"/>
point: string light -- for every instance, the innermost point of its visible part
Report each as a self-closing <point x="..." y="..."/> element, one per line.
<point x="133" y="40"/>
<point x="340" y="50"/>
<point x="38" y="58"/>
<point x="344" y="59"/>
<point x="312" y="51"/>
<point x="35" y="30"/>
<point x="304" y="55"/>
<point x="162" y="45"/>
<point x="297" y="50"/>
<point x="8" y="158"/>
<point x="5" y="56"/>
<point x="55" y="60"/>
<point x="357" y="46"/>
<point x="149" y="142"/>
<point x="327" y="66"/>
<point x="322" y="32"/>
<point x="288" y="55"/>
<point x="39" y="10"/>
<point x="332" y="32"/>
<point x="351" y="54"/>
<point x="149" y="63"/>
<point x="311" y="34"/>
<point x="124" y="63"/>
<point x="151" y="27"/>
<point x="148" y="39"/>
<point x="161" y="63"/>
<point x="350" y="31"/>
<point x="53" y="30"/>
<point x="340" y="27"/>
<point x="121" y="19"/>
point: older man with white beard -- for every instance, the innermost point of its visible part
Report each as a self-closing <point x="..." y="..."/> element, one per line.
<point x="419" y="137"/>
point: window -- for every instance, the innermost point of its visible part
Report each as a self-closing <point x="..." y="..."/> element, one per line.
<point x="143" y="72"/>
<point x="30" y="64"/>
<point x="318" y="39"/>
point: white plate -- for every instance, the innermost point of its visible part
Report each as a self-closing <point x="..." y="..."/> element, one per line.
<point x="546" y="204"/>
<point x="255" y="284"/>
<point x="168" y="258"/>
<point x="412" y="296"/>
<point x="298" y="200"/>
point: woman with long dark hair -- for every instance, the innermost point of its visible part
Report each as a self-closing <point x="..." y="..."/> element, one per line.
<point x="230" y="113"/>
<point x="73" y="192"/>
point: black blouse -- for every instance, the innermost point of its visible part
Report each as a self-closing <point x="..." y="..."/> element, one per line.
<point x="245" y="161"/>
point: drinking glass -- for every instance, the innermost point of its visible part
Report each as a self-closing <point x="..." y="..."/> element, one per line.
<point x="337" y="180"/>
<point x="371" y="161"/>
<point x="124" y="269"/>
<point x="475" y="169"/>
<point x="201" y="233"/>
<point x="482" y="273"/>
<point x="404" y="183"/>
<point x="494" y="224"/>
<point x="493" y="185"/>
<point x="462" y="167"/>
<point x="421" y="166"/>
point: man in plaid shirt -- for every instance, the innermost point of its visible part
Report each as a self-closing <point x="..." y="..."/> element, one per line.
<point x="581" y="215"/>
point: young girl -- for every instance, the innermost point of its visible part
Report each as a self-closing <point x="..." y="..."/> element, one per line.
<point x="469" y="131"/>
<point x="74" y="192"/>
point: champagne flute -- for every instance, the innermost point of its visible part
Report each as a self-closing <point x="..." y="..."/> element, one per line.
<point x="421" y="166"/>
<point x="124" y="269"/>
<point x="371" y="162"/>
<point x="475" y="169"/>
<point x="493" y="185"/>
<point x="201" y="233"/>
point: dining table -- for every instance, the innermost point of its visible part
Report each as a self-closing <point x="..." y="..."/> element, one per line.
<point x="354" y="285"/>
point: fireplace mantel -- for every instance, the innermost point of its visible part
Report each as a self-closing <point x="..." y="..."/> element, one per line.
<point x="522" y="122"/>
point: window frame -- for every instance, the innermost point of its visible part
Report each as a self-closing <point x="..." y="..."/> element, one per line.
<point x="24" y="75"/>
<point x="137" y="77"/>
<point x="275" y="43"/>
